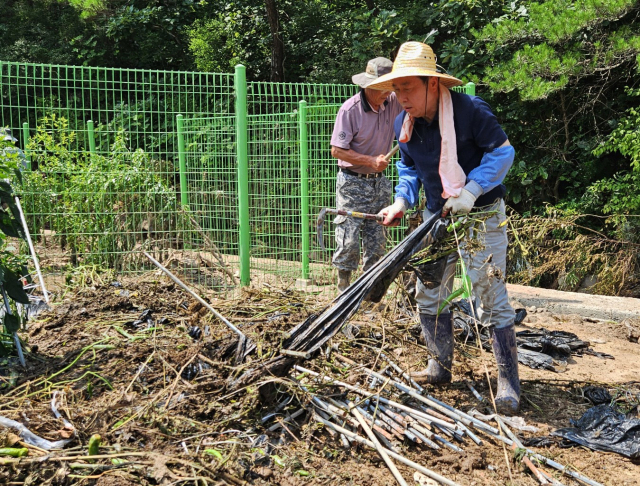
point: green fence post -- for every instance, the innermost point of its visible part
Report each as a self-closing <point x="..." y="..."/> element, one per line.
<point x="470" y="88"/>
<point x="25" y="138"/>
<point x="182" y="159"/>
<point x="92" y="137"/>
<point x="243" y="173"/>
<point x="304" y="185"/>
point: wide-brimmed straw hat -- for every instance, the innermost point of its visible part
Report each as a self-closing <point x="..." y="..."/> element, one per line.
<point x="375" y="68"/>
<point x="413" y="59"/>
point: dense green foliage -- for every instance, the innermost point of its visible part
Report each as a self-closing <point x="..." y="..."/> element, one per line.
<point x="12" y="266"/>
<point x="561" y="75"/>
<point x="99" y="207"/>
<point x="558" y="75"/>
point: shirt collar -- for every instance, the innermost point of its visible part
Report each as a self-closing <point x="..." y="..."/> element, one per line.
<point x="365" y="104"/>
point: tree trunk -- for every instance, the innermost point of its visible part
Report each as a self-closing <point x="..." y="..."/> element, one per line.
<point x="372" y="7"/>
<point x="277" y="46"/>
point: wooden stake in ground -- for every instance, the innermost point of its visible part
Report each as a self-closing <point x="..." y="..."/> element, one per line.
<point x="392" y="467"/>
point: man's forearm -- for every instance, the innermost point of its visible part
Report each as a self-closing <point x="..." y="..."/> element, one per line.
<point x="492" y="170"/>
<point x="408" y="185"/>
<point x="353" y="157"/>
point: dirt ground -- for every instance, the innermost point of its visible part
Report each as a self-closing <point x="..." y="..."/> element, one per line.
<point x="167" y="412"/>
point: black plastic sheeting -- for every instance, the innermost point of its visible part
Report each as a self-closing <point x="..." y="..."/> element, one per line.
<point x="463" y="323"/>
<point x="557" y="344"/>
<point x="430" y="274"/>
<point x="540" y="361"/>
<point x="597" y="395"/>
<point x="520" y="315"/>
<point x="537" y="348"/>
<point x="601" y="428"/>
<point x="544" y="441"/>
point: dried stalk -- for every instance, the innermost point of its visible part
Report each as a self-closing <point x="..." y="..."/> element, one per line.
<point x="385" y="457"/>
<point x="396" y="456"/>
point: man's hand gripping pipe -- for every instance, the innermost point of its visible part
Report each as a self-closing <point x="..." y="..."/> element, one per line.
<point x="352" y="214"/>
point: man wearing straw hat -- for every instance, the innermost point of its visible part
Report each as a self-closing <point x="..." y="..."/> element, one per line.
<point x="362" y="135"/>
<point x="452" y="145"/>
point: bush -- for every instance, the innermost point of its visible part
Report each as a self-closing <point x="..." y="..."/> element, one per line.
<point x="99" y="207"/>
<point x="559" y="250"/>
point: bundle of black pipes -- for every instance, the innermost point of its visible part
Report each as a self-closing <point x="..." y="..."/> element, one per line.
<point x="310" y="335"/>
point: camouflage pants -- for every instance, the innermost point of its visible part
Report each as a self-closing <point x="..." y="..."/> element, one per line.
<point x="366" y="196"/>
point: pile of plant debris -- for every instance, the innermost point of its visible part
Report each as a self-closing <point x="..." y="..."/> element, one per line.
<point x="136" y="376"/>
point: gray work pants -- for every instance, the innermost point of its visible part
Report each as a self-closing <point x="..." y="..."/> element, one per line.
<point x="366" y="196"/>
<point x="486" y="269"/>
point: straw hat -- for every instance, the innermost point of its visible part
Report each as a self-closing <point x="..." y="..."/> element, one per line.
<point x="413" y="59"/>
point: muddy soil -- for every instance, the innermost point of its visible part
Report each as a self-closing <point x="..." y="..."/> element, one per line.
<point x="165" y="409"/>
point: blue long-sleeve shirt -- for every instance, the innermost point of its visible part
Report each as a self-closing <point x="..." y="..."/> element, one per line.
<point x="478" y="139"/>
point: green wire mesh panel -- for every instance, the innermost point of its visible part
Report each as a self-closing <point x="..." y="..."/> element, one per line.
<point x="211" y="175"/>
<point x="103" y="149"/>
<point x="274" y="175"/>
<point x="323" y="169"/>
<point x="274" y="192"/>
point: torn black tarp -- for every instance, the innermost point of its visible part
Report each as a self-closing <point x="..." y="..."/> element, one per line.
<point x="431" y="273"/>
<point x="557" y="344"/>
<point x="520" y="315"/>
<point x="544" y="441"/>
<point x="464" y="324"/>
<point x="597" y="395"/>
<point x="540" y="361"/>
<point x="601" y="428"/>
<point x="465" y="331"/>
<point x="537" y="348"/>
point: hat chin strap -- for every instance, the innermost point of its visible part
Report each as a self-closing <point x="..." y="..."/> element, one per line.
<point x="426" y="102"/>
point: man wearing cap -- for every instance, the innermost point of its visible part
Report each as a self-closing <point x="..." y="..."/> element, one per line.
<point x="362" y="135"/>
<point x="452" y="145"/>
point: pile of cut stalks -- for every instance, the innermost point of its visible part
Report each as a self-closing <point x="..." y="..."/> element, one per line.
<point x="391" y="409"/>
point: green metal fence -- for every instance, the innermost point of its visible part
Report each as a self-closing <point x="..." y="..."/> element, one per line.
<point x="289" y="176"/>
<point x="103" y="148"/>
<point x="220" y="178"/>
<point x="278" y="189"/>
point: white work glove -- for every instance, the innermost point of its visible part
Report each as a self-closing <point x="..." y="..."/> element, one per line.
<point x="393" y="214"/>
<point x="459" y="205"/>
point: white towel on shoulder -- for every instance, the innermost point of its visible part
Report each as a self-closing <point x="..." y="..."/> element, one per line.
<point x="451" y="174"/>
